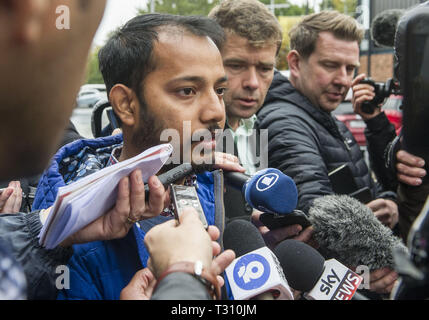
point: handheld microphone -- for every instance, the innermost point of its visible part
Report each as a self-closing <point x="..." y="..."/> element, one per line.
<point x="172" y="176"/>
<point x="348" y="231"/>
<point x="308" y="272"/>
<point x="256" y="273"/>
<point x="272" y="192"/>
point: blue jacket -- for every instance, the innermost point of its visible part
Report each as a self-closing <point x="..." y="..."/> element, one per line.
<point x="101" y="269"/>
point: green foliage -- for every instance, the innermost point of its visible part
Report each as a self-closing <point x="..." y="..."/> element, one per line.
<point x="292" y="10"/>
<point x="181" y="7"/>
<point x="344" y="6"/>
<point x="203" y="7"/>
<point x="287" y="23"/>
<point x="93" y="74"/>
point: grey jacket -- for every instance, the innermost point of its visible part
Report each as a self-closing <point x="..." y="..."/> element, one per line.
<point x="20" y="233"/>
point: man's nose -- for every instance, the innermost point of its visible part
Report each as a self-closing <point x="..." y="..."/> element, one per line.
<point x="251" y="80"/>
<point x="342" y="77"/>
<point x="212" y="108"/>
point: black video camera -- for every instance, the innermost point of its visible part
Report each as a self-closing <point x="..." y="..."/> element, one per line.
<point x="382" y="91"/>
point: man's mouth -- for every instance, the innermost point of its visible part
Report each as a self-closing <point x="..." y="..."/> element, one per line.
<point x="335" y="95"/>
<point x="207" y="141"/>
<point x="247" y="101"/>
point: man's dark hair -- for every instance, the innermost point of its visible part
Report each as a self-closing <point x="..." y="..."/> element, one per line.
<point x="127" y="56"/>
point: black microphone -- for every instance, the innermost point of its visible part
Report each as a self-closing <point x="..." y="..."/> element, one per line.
<point x="236" y="179"/>
<point x="348" y="231"/>
<point x="307" y="271"/>
<point x="383" y="28"/>
<point x="172" y="176"/>
<point x="255" y="273"/>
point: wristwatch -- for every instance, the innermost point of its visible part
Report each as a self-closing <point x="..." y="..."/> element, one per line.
<point x="197" y="270"/>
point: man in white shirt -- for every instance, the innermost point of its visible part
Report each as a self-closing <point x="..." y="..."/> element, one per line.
<point x="253" y="40"/>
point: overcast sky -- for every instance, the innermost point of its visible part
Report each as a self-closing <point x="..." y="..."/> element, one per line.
<point x="120" y="11"/>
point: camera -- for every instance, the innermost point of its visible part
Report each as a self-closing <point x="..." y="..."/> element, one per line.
<point x="382" y="91"/>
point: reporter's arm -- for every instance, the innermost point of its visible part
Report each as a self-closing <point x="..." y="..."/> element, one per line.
<point x="20" y="232"/>
<point x="175" y="247"/>
<point x="181" y="285"/>
<point x="410" y="168"/>
<point x="379" y="132"/>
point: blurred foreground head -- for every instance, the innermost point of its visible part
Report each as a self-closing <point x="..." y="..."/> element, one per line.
<point x="42" y="67"/>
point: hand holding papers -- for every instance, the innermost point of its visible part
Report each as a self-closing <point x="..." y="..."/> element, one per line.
<point x="84" y="201"/>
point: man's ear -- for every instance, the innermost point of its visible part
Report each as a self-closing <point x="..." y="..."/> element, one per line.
<point x="125" y="104"/>
<point x="24" y="19"/>
<point x="293" y="59"/>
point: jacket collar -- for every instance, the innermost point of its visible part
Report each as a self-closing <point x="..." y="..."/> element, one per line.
<point x="283" y="90"/>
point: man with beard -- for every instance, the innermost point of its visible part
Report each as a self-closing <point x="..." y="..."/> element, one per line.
<point x="166" y="81"/>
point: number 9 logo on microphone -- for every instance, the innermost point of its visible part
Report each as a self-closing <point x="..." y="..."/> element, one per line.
<point x="251" y="272"/>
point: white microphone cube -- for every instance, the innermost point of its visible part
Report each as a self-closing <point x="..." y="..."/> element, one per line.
<point x="256" y="273"/>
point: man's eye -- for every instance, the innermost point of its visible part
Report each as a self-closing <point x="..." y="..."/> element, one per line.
<point x="186" y="91"/>
<point x="221" y="91"/>
<point x="266" y="69"/>
<point x="235" y="66"/>
<point x="351" y="69"/>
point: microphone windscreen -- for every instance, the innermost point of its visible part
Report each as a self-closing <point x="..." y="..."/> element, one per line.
<point x="302" y="264"/>
<point x="272" y="191"/>
<point x="242" y="237"/>
<point x="349" y="232"/>
<point x="384" y="26"/>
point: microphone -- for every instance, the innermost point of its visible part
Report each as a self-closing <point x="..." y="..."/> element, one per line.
<point x="269" y="190"/>
<point x="272" y="192"/>
<point x="172" y="176"/>
<point x="348" y="231"/>
<point x="256" y="273"/>
<point x="308" y="272"/>
<point x="384" y="25"/>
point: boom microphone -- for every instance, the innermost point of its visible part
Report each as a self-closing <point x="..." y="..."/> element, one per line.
<point x="256" y="273"/>
<point x="308" y="272"/>
<point x="348" y="231"/>
<point x="383" y="28"/>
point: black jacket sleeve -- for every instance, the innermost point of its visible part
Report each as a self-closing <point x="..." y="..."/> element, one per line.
<point x="20" y="232"/>
<point x="379" y="133"/>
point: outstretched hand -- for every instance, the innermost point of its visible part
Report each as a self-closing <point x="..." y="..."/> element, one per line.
<point x="11" y="198"/>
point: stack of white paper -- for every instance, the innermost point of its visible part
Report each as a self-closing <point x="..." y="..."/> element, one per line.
<point x="84" y="201"/>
